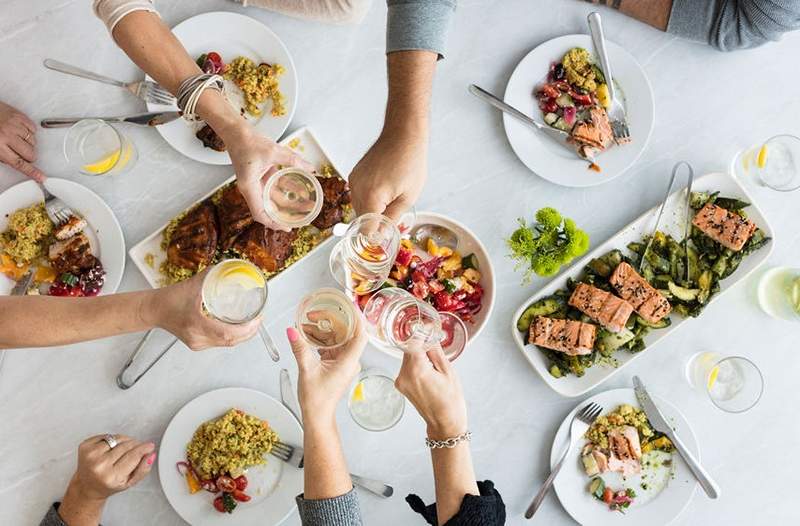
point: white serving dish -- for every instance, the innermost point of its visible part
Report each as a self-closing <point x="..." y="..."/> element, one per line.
<point x="571" y="385"/>
<point x="311" y="151"/>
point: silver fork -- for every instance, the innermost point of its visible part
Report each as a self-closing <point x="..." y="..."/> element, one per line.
<point x="147" y="90"/>
<point x="616" y="113"/>
<point x="57" y="210"/>
<point x="580" y="424"/>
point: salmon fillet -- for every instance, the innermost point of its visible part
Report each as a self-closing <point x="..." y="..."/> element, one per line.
<point x="646" y="300"/>
<point x="595" y="133"/>
<point x="723" y="226"/>
<point x="625" y="451"/>
<point x="568" y="336"/>
<point x="603" y="307"/>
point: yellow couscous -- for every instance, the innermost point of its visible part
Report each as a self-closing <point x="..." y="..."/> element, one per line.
<point x="579" y="70"/>
<point x="28" y="231"/>
<point x="230" y="444"/>
<point x="258" y="82"/>
<point x="624" y="415"/>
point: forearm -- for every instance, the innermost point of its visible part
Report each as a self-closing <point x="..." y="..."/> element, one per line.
<point x="325" y="468"/>
<point x="653" y="12"/>
<point x="78" y="510"/>
<point x="39" y="321"/>
<point x="410" y="75"/>
<point x="454" y="477"/>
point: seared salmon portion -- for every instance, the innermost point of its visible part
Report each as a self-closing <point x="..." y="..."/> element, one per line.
<point x="603" y="307"/>
<point x="646" y="300"/>
<point x="723" y="226"/>
<point x="594" y="135"/>
<point x="567" y="336"/>
<point x="625" y="450"/>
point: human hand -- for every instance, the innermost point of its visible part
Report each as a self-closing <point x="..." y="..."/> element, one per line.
<point x="179" y="310"/>
<point x="389" y="178"/>
<point x="324" y="380"/>
<point x="18" y="142"/>
<point x="431" y="384"/>
<point x="255" y="158"/>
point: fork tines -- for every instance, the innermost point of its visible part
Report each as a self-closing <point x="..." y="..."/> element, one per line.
<point x="152" y="92"/>
<point x="589" y="413"/>
<point x="622" y="133"/>
<point x="282" y="451"/>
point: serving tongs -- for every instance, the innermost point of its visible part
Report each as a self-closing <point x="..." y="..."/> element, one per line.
<point x="687" y="223"/>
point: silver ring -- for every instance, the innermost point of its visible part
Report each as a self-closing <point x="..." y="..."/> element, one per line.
<point x="110" y="440"/>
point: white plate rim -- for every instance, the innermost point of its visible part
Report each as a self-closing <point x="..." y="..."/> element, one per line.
<point x="593" y="178"/>
<point x="621" y="396"/>
<point x="576" y="268"/>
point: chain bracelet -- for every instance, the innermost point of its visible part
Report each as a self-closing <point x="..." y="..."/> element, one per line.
<point x="448" y="443"/>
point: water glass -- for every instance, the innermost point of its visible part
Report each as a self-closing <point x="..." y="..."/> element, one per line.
<point x="779" y="293"/>
<point x="732" y="383"/>
<point x="775" y="163"/>
<point x="374" y="403"/>
<point x="95" y="147"/>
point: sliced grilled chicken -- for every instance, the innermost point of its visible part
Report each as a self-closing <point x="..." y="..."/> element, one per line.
<point x="567" y="336"/>
<point x="72" y="255"/>
<point x="234" y="216"/>
<point x="646" y="300"/>
<point x="723" y="226"/>
<point x="74" y="225"/>
<point x="335" y="194"/>
<point x="603" y="307"/>
<point x="194" y="239"/>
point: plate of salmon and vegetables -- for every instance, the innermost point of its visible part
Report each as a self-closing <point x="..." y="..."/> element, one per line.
<point x="560" y="84"/>
<point x="623" y="471"/>
<point x="613" y="304"/>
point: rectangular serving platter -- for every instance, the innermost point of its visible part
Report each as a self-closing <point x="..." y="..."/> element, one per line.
<point x="672" y="223"/>
<point x="307" y="146"/>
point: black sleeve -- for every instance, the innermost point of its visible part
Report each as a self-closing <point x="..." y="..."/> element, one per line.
<point x="486" y="509"/>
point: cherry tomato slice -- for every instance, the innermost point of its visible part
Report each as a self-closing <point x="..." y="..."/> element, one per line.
<point x="241" y="496"/>
<point x="241" y="483"/>
<point x="219" y="505"/>
<point x="226" y="484"/>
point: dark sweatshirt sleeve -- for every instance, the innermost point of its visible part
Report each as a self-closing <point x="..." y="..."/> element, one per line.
<point x="418" y="24"/>
<point x="52" y="518"/>
<point x="486" y="509"/>
<point x="733" y="24"/>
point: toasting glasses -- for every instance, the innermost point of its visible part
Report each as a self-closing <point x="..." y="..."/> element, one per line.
<point x="234" y="291"/>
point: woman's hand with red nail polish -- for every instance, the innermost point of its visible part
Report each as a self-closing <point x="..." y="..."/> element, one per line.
<point x="325" y="376"/>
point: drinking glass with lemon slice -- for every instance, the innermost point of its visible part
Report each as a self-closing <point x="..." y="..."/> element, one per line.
<point x="775" y="163"/>
<point x="375" y="404"/>
<point x="779" y="293"/>
<point x="94" y="147"/>
<point x="733" y="383"/>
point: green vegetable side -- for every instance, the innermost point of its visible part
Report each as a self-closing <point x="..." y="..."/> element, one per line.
<point x="543" y="247"/>
<point x="687" y="290"/>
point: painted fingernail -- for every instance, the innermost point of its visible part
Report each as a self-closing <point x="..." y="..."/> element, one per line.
<point x="292" y="334"/>
<point x="151" y="459"/>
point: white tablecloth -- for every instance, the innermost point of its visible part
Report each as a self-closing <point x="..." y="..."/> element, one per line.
<point x="708" y="105"/>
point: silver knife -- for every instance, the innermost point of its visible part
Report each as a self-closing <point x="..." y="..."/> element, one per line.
<point x="142" y="119"/>
<point x="557" y="136"/>
<point x="289" y="399"/>
<point x="660" y="424"/>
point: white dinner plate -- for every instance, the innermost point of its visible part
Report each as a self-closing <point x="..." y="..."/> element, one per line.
<point x="272" y="486"/>
<point x="669" y="488"/>
<point x="468" y="243"/>
<point x="231" y="35"/>
<point x="571" y="385"/>
<point x="103" y="230"/>
<point x="554" y="163"/>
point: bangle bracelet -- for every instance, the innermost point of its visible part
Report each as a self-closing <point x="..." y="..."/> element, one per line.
<point x="190" y="90"/>
<point x="448" y="443"/>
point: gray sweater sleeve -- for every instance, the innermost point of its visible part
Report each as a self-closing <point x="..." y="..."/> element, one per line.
<point x="52" y="518"/>
<point x="734" y="24"/>
<point x="339" y="511"/>
<point x="418" y="24"/>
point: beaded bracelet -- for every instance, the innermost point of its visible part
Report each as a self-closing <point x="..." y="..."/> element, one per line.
<point x="190" y="90"/>
<point x="448" y="443"/>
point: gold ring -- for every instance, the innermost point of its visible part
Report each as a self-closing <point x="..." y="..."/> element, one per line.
<point x="27" y="136"/>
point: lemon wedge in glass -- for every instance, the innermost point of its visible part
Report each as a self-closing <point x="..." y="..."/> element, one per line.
<point x="358" y="392"/>
<point x="243" y="275"/>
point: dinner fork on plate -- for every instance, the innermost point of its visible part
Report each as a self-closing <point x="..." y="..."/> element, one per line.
<point x="616" y="113"/>
<point x="147" y="90"/>
<point x="580" y="424"/>
<point x="57" y="210"/>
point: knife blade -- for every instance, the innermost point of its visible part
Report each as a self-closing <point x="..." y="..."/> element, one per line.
<point x="290" y="402"/>
<point x="557" y="136"/>
<point x="21" y="287"/>
<point x="154" y="118"/>
<point x="660" y="424"/>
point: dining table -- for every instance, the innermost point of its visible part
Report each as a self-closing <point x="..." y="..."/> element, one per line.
<point x="708" y="106"/>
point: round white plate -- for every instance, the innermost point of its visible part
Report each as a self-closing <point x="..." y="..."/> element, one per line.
<point x="667" y="495"/>
<point x="272" y="486"/>
<point x="468" y="243"/>
<point x="554" y="163"/>
<point x="231" y="35"/>
<point x="103" y="231"/>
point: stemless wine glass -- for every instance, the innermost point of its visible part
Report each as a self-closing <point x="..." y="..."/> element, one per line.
<point x="292" y="197"/>
<point x="361" y="261"/>
<point x="775" y="162"/>
<point x="95" y="147"/>
<point x="779" y="293"/>
<point x="733" y="383"/>
<point x="398" y="319"/>
<point x="233" y="291"/>
<point x="326" y="318"/>
<point x="375" y="404"/>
